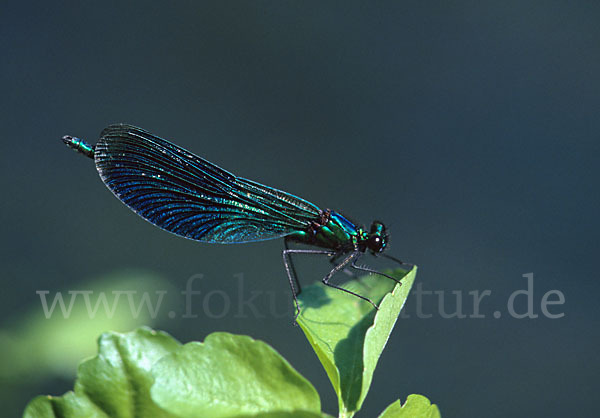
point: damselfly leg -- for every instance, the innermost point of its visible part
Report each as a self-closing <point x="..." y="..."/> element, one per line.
<point x="349" y="259"/>
<point x="370" y="270"/>
<point x="291" y="272"/>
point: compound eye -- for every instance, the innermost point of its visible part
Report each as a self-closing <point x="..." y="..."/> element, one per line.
<point x="375" y="243"/>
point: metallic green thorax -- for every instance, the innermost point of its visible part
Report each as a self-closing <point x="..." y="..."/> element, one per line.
<point x="337" y="233"/>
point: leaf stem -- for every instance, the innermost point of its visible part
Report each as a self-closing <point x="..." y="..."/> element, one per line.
<point x="346" y="414"/>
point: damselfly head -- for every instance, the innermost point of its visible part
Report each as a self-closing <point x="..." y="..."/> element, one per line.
<point x="378" y="237"/>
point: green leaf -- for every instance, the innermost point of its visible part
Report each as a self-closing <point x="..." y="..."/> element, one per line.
<point x="416" y="406"/>
<point x="115" y="383"/>
<point x="348" y="334"/>
<point x="226" y="376"/>
<point x="232" y="376"/>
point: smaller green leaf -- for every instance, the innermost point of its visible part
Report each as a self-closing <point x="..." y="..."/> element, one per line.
<point x="115" y="383"/>
<point x="416" y="406"/>
<point x="232" y="376"/>
<point x="348" y="334"/>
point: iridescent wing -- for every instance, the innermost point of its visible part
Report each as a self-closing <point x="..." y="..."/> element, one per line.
<point x="191" y="197"/>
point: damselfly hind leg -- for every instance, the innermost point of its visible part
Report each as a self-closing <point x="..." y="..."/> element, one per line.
<point x="298" y="288"/>
<point x="291" y="272"/>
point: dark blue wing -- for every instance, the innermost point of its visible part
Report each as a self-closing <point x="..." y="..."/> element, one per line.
<point x="191" y="197"/>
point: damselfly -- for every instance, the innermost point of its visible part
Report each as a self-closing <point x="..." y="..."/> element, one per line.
<point x="193" y="198"/>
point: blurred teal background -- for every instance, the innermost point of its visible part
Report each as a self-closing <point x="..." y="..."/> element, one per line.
<point x="470" y="128"/>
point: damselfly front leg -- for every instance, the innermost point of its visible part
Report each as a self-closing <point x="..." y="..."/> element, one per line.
<point x="372" y="271"/>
